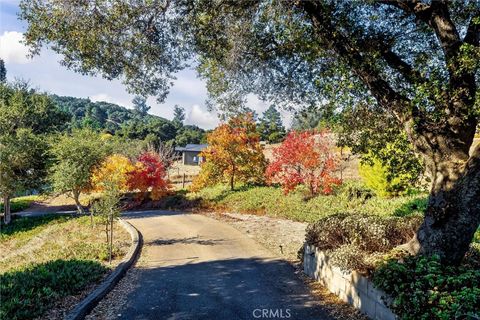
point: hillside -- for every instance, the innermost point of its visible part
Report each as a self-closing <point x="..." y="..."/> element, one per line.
<point x="115" y="119"/>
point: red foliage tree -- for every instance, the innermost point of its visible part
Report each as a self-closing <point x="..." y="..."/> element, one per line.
<point x="304" y="158"/>
<point x="149" y="175"/>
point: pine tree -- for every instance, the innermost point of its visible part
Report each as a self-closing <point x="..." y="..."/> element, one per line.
<point x="178" y="116"/>
<point x="270" y="127"/>
<point x="140" y="105"/>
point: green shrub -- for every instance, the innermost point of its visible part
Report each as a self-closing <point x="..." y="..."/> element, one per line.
<point x="28" y="293"/>
<point x="356" y="241"/>
<point x="354" y="190"/>
<point x="386" y="184"/>
<point x="422" y="288"/>
<point x="348" y="198"/>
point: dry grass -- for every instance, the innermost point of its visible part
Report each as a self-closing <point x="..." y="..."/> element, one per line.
<point x="49" y="238"/>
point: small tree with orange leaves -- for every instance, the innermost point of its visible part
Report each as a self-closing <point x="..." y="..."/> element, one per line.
<point x="233" y="154"/>
<point x="304" y="158"/>
<point x="114" y="170"/>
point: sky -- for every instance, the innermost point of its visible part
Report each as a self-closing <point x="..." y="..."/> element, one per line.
<point x="45" y="73"/>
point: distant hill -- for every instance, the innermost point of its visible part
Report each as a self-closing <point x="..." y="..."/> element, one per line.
<point x="118" y="120"/>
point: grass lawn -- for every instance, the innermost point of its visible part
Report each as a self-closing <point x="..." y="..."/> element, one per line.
<point x="44" y="260"/>
<point x="273" y="202"/>
<point x="21" y="203"/>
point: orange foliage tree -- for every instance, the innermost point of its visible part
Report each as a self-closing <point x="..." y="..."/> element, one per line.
<point x="149" y="174"/>
<point x="305" y="158"/>
<point x="113" y="172"/>
<point x="233" y="155"/>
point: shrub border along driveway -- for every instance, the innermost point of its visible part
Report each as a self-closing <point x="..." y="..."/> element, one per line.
<point x="87" y="304"/>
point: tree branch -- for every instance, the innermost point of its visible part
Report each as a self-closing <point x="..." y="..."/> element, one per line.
<point x="395" y="62"/>
<point x="386" y="96"/>
<point x="473" y="31"/>
<point x="437" y="16"/>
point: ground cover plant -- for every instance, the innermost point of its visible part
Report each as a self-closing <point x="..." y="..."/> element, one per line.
<point x="423" y="288"/>
<point x="44" y="259"/>
<point x="27" y="293"/>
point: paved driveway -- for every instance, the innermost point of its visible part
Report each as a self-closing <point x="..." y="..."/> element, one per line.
<point x="195" y="267"/>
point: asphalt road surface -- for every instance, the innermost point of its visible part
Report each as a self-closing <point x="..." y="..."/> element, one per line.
<point x="195" y="267"/>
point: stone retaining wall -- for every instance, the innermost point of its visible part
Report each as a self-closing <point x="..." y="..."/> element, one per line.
<point x="351" y="287"/>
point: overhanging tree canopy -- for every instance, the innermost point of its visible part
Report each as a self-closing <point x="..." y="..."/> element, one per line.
<point x="416" y="60"/>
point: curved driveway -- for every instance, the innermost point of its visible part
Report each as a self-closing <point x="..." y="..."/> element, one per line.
<point x="195" y="267"/>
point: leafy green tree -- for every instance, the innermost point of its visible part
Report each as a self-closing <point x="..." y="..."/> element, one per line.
<point x="189" y="134"/>
<point x="382" y="145"/>
<point x="26" y="116"/>
<point x="76" y="156"/>
<point x="153" y="129"/>
<point x="140" y="105"/>
<point x="416" y="60"/>
<point x="23" y="107"/>
<point x="316" y="116"/>
<point x="178" y="116"/>
<point x="23" y="162"/>
<point x="270" y="126"/>
<point x="3" y="72"/>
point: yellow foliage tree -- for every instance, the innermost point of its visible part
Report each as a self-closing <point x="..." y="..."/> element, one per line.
<point x="233" y="154"/>
<point x="113" y="172"/>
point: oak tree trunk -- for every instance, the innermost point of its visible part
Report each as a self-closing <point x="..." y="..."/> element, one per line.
<point x="453" y="211"/>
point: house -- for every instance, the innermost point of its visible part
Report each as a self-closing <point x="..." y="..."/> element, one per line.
<point x="190" y="154"/>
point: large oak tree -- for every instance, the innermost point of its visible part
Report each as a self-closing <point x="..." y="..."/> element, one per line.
<point x="417" y="61"/>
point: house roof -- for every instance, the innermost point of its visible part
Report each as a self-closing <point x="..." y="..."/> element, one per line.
<point x="192" y="147"/>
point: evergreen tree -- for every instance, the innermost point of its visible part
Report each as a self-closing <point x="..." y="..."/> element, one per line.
<point x="270" y="126"/>
<point x="140" y="105"/>
<point x="178" y="116"/>
<point x="3" y="71"/>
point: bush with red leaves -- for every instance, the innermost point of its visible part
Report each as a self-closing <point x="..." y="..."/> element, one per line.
<point x="304" y="158"/>
<point x="149" y="175"/>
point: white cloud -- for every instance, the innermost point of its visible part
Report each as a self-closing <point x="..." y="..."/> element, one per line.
<point x="107" y="98"/>
<point x="254" y="103"/>
<point x="202" y="118"/>
<point x="12" y="50"/>
<point x="188" y="84"/>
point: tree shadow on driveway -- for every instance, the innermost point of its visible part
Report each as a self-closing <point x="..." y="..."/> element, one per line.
<point x="189" y="240"/>
<point x="231" y="289"/>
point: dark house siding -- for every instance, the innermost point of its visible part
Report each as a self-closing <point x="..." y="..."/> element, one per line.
<point x="191" y="158"/>
<point x="190" y="154"/>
